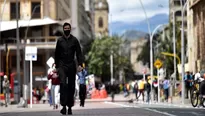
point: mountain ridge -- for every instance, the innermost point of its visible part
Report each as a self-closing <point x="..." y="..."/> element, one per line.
<point x="121" y="27"/>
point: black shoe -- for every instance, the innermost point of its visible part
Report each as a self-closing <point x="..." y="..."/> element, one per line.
<point x="69" y="111"/>
<point x="83" y="103"/>
<point x="63" y="111"/>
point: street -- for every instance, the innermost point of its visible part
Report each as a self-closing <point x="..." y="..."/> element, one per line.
<point x="105" y="109"/>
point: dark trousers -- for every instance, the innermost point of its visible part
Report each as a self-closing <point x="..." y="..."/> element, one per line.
<point x="188" y="90"/>
<point x="136" y="93"/>
<point x="67" y="85"/>
<point x="141" y="91"/>
<point x="155" y="93"/>
<point x="166" y="93"/>
<point x="82" y="93"/>
<point x="148" y="95"/>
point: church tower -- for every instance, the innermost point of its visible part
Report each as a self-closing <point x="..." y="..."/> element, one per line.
<point x="101" y="18"/>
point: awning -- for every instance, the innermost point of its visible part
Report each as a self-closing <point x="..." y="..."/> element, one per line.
<point x="9" y="25"/>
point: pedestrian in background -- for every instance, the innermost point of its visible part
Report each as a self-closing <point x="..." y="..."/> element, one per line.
<point x="67" y="47"/>
<point x="55" y="87"/>
<point x="148" y="89"/>
<point x="188" y="83"/>
<point x="136" y="89"/>
<point x="141" y="87"/>
<point x="166" y="85"/>
<point x="82" y="86"/>
<point x="6" y="90"/>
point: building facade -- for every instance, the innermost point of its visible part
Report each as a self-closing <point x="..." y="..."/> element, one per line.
<point x="101" y="18"/>
<point x="82" y="19"/>
<point x="196" y="30"/>
<point x="43" y="19"/>
<point x="176" y="7"/>
<point x="135" y="50"/>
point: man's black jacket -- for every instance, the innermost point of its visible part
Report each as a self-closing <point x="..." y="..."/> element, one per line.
<point x="66" y="48"/>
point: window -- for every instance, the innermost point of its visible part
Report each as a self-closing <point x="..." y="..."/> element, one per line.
<point x="100" y="22"/>
<point x="13" y="10"/>
<point x="178" y="13"/>
<point x="177" y="3"/>
<point x="36" y="9"/>
<point x="13" y="61"/>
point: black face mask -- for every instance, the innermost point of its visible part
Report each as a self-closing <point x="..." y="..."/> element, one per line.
<point x="67" y="32"/>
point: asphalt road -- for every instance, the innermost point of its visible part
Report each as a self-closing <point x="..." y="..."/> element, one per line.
<point x="110" y="109"/>
<point x="91" y="112"/>
<point x="167" y="110"/>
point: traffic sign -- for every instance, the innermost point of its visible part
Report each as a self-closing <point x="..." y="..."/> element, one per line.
<point x="50" y="62"/>
<point x="158" y="64"/>
<point x="32" y="57"/>
<point x="31" y="53"/>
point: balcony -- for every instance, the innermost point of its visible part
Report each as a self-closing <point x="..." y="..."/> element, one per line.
<point x="36" y="16"/>
<point x="40" y="42"/>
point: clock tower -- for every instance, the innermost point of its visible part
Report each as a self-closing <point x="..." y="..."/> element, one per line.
<point x="101" y="18"/>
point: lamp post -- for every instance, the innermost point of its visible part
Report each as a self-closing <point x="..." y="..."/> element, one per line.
<point x="151" y="51"/>
<point x="111" y="58"/>
<point x="0" y="41"/>
<point x="152" y="35"/>
<point x="18" y="50"/>
<point x="174" y="51"/>
<point x="182" y="51"/>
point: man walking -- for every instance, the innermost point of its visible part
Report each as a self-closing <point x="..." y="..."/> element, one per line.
<point x="66" y="48"/>
<point x="82" y="86"/>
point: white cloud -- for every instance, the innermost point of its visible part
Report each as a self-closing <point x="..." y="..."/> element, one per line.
<point x="131" y="10"/>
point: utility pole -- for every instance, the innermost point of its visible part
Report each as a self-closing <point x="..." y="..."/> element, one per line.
<point x="1" y="42"/>
<point x="18" y="50"/>
<point x="174" y="52"/>
<point x="111" y="59"/>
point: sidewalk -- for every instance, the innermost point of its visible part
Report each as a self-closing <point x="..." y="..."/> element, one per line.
<point x="176" y="102"/>
<point x="14" y="108"/>
<point x="118" y="98"/>
<point x="46" y="107"/>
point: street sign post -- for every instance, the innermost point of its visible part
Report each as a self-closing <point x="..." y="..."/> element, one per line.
<point x="158" y="65"/>
<point x="31" y="55"/>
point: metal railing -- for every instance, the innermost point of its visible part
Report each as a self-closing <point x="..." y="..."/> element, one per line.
<point x="41" y="40"/>
<point x="45" y="41"/>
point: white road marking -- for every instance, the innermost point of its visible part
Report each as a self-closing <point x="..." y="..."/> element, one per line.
<point x="165" y="113"/>
<point x="113" y="103"/>
<point x="129" y="106"/>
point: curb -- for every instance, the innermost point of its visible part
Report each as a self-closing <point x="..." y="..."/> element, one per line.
<point x="93" y="101"/>
<point x="167" y="104"/>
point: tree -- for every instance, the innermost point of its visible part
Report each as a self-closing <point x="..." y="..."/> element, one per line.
<point x="99" y="57"/>
<point x="144" y="55"/>
<point x="166" y="45"/>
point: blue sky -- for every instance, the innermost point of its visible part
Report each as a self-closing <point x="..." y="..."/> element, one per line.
<point x="130" y="11"/>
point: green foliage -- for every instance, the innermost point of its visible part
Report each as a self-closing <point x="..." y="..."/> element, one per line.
<point x="144" y="55"/>
<point x="165" y="45"/>
<point x="99" y="57"/>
